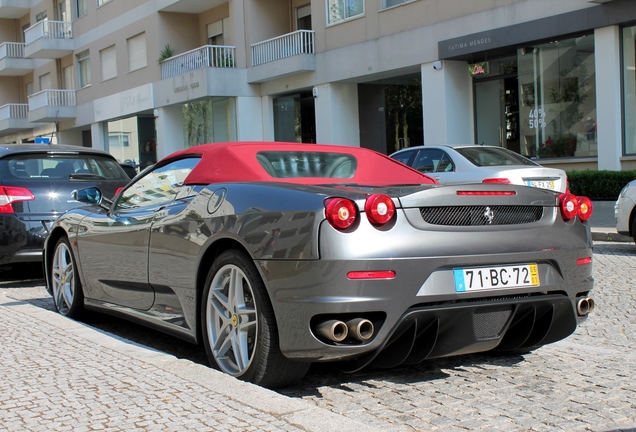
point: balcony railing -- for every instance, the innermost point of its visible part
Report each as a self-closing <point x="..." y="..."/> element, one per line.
<point x="13" y="111"/>
<point x="48" y="29"/>
<point x="51" y="98"/>
<point x="299" y="42"/>
<point x="11" y="50"/>
<point x="199" y="58"/>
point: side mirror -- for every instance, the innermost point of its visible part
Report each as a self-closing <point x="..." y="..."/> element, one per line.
<point x="90" y="195"/>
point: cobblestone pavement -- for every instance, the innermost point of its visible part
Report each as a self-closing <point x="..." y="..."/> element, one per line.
<point x="585" y="382"/>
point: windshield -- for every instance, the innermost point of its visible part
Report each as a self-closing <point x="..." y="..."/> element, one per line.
<point x="489" y="156"/>
<point x="39" y="166"/>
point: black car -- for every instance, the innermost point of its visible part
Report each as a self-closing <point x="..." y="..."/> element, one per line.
<point x="130" y="170"/>
<point x="36" y="185"/>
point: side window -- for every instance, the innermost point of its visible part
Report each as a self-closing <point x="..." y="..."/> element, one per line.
<point x="158" y="186"/>
<point x="445" y="164"/>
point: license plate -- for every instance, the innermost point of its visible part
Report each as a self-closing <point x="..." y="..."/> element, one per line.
<point x="481" y="278"/>
<point x="543" y="184"/>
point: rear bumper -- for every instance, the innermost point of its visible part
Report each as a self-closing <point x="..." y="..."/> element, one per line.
<point x="419" y="314"/>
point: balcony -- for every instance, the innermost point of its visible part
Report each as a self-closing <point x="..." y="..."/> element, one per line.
<point x="13" y="9"/>
<point x="281" y="56"/>
<point x="13" y="118"/>
<point x="187" y="6"/>
<point x="49" y="40"/>
<point x="12" y="60"/>
<point x="52" y="105"/>
<point x="208" y="56"/>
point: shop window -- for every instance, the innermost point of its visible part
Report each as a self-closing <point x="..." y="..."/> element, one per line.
<point x="208" y="121"/>
<point x="341" y="10"/>
<point x="557" y="98"/>
<point x="629" y="89"/>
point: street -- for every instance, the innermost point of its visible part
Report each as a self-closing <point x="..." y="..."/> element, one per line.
<point x="585" y="382"/>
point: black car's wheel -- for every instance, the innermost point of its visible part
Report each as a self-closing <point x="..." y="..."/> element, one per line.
<point x="239" y="327"/>
<point x="66" y="287"/>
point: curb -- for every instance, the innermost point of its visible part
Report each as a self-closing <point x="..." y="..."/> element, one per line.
<point x="607" y="236"/>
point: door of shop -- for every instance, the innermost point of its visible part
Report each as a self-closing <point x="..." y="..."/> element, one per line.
<point x="497" y="112"/>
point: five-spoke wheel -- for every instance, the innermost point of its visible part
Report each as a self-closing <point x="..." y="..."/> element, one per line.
<point x="239" y="327"/>
<point x="65" y="285"/>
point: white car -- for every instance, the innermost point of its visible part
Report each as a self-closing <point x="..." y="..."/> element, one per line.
<point x="625" y="212"/>
<point x="480" y="164"/>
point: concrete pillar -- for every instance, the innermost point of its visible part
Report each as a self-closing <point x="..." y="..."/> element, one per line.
<point x="169" y="127"/>
<point x="337" y="114"/>
<point x="99" y="136"/>
<point x="607" y="57"/>
<point x="249" y="119"/>
<point x="447" y="103"/>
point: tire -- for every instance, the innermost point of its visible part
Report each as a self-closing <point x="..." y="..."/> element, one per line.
<point x="634" y="229"/>
<point x="66" y="287"/>
<point x="239" y="327"/>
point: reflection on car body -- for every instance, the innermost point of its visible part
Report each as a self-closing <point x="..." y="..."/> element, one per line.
<point x="277" y="255"/>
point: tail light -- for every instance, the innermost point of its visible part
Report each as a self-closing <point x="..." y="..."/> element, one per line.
<point x="379" y="209"/>
<point x="569" y="206"/>
<point x="11" y="194"/>
<point x="341" y="213"/>
<point x="496" y="181"/>
<point x="572" y="206"/>
<point x="585" y="208"/>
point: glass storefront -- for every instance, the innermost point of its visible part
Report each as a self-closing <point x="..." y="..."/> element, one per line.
<point x="132" y="141"/>
<point x="208" y="121"/>
<point x="629" y="90"/>
<point x="540" y="102"/>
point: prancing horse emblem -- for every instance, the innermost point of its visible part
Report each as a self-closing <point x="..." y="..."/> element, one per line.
<point x="489" y="215"/>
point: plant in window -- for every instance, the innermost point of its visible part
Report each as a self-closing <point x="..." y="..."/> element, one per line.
<point x="166" y="53"/>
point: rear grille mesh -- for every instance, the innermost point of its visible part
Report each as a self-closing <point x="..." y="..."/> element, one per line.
<point x="481" y="215"/>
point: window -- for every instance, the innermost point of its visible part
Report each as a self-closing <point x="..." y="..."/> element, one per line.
<point x="84" y="69"/>
<point x="118" y="139"/>
<point x="215" y="33"/>
<point x="102" y="2"/>
<point x="63" y="11"/>
<point x="291" y="164"/>
<point x="390" y="3"/>
<point x="341" y="10"/>
<point x="108" y="58"/>
<point x="629" y="93"/>
<point x="137" y="52"/>
<point x="158" y="186"/>
<point x="41" y="16"/>
<point x="80" y="8"/>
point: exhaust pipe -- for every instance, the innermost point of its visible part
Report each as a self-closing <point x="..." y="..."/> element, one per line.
<point x="360" y="328"/>
<point x="584" y="306"/>
<point x="333" y="330"/>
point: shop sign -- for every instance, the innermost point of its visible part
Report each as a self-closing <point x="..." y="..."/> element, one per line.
<point x="481" y="68"/>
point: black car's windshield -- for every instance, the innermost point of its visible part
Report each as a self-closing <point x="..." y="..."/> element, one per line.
<point x="488" y="156"/>
<point x="40" y="166"/>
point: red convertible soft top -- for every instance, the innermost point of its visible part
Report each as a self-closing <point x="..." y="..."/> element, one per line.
<point x="295" y="163"/>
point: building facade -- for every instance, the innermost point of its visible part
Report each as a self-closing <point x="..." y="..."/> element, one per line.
<point x="552" y="80"/>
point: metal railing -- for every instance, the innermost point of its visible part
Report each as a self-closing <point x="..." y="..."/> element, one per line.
<point x="13" y="111"/>
<point x="48" y="29"/>
<point x="11" y="50"/>
<point x="298" y="42"/>
<point x="198" y="58"/>
<point x="51" y="98"/>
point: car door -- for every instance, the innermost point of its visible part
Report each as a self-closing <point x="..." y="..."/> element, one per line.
<point x="114" y="247"/>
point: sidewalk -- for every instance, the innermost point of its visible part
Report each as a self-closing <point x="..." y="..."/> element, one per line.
<point x="59" y="374"/>
<point x="603" y="223"/>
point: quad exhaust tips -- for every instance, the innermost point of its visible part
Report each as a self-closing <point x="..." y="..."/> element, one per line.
<point x="584" y="306"/>
<point x="360" y="329"/>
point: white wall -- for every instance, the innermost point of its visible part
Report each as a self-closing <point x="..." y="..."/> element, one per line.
<point x="337" y="120"/>
<point x="608" y="100"/>
<point x="447" y="104"/>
